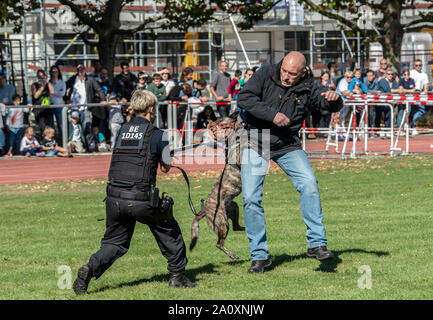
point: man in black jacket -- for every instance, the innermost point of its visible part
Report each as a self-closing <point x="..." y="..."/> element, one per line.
<point x="276" y="100"/>
<point x="125" y="83"/>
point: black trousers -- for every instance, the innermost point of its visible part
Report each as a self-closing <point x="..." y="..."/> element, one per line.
<point x="121" y="216"/>
<point x="43" y="118"/>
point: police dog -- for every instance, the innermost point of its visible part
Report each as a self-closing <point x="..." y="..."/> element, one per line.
<point x="219" y="204"/>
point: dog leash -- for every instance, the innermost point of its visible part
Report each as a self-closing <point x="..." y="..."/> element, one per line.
<point x="185" y="176"/>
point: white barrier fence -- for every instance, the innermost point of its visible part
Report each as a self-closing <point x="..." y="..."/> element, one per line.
<point x="362" y="131"/>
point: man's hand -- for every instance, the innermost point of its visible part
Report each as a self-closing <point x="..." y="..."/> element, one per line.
<point x="330" y="95"/>
<point x="281" y="120"/>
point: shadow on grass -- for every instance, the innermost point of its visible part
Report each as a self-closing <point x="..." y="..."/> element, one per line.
<point x="325" y="265"/>
<point x="190" y="273"/>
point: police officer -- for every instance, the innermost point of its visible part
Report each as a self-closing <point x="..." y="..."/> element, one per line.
<point x="132" y="196"/>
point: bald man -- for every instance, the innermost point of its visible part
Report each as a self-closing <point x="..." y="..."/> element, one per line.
<point x="277" y="100"/>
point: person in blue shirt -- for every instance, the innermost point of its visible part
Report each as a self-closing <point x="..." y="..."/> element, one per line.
<point x="371" y="84"/>
<point x="406" y="85"/>
<point x="357" y="83"/>
<point x="386" y="85"/>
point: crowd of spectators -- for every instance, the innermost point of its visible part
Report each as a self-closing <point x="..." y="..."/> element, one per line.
<point x="93" y="128"/>
<point x="384" y="80"/>
<point x="97" y="106"/>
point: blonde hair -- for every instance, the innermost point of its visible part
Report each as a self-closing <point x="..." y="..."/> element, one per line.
<point x="142" y="100"/>
<point x="48" y="130"/>
<point x="27" y="131"/>
<point x="348" y="73"/>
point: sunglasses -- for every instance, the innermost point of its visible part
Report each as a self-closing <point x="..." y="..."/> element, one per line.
<point x="142" y="78"/>
<point x="390" y="74"/>
<point x="418" y="65"/>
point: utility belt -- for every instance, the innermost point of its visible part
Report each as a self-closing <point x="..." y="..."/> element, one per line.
<point x="135" y="195"/>
<point x="151" y="196"/>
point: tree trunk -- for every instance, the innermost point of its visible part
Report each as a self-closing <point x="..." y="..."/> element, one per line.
<point x="392" y="32"/>
<point x="107" y="50"/>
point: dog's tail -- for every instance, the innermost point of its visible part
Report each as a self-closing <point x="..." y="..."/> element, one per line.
<point x="195" y="227"/>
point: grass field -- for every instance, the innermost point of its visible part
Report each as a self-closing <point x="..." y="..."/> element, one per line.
<point x="378" y="213"/>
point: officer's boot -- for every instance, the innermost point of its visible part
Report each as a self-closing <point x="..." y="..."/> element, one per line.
<point x="178" y="279"/>
<point x="83" y="279"/>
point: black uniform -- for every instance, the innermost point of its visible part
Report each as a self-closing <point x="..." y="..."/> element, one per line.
<point x="132" y="178"/>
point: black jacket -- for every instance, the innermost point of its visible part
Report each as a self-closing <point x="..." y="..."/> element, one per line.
<point x="124" y="86"/>
<point x="263" y="96"/>
<point x="94" y="94"/>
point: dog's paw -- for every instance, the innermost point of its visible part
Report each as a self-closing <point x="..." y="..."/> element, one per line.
<point x="233" y="256"/>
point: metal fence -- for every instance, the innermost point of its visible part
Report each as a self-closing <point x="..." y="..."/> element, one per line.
<point x="177" y="136"/>
<point x="362" y="131"/>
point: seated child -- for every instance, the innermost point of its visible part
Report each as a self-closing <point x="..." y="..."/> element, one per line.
<point x="29" y="145"/>
<point x="96" y="141"/>
<point x="49" y="144"/>
<point x="76" y="136"/>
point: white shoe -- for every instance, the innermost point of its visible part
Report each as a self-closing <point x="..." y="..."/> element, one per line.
<point x="415" y="132"/>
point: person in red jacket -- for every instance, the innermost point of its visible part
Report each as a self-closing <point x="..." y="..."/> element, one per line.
<point x="234" y="87"/>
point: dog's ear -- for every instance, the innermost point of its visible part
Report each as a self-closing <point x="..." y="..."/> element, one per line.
<point x="234" y="115"/>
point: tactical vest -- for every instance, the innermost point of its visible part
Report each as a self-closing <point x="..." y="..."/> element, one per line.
<point x="132" y="163"/>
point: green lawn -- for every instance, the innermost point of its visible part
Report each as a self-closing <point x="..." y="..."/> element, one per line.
<point x="378" y="213"/>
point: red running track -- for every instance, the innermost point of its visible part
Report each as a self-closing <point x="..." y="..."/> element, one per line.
<point x="33" y="170"/>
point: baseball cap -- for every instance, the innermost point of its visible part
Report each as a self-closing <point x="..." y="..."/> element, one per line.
<point x="75" y="114"/>
<point x="113" y="95"/>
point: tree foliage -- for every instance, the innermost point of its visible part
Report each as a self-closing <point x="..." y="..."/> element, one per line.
<point x="103" y="18"/>
<point x="389" y="28"/>
<point x="11" y="11"/>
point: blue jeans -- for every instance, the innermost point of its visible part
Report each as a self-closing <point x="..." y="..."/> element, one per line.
<point x="32" y="151"/>
<point x="2" y="139"/>
<point x="401" y="108"/>
<point x="15" y="136"/>
<point x="297" y="166"/>
<point x="58" y="115"/>
<point x="416" y="113"/>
